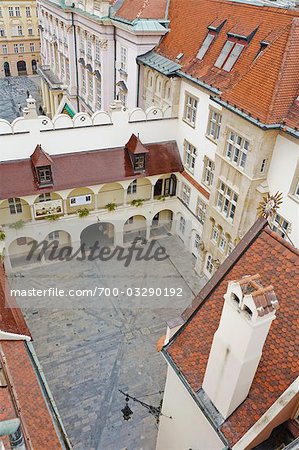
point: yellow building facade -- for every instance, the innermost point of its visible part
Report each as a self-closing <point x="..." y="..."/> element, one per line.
<point x="19" y="38"/>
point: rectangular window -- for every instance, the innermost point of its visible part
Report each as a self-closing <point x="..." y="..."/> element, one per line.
<point x="205" y="45"/>
<point x="54" y="235"/>
<point x="45" y="197"/>
<point x="190" y="109"/>
<point x="226" y="201"/>
<point x="223" y="242"/>
<point x="98" y="52"/>
<point x="230" y="248"/>
<point x="32" y="46"/>
<point x="17" y="11"/>
<point x="16" y="48"/>
<point x="83" y="81"/>
<point x="196" y="241"/>
<point x="20" y="31"/>
<point x="201" y="210"/>
<point x="190" y="155"/>
<point x="132" y="189"/>
<point x="15" y="206"/>
<point x="215" y="234"/>
<point x="209" y="264"/>
<point x="2" y="31"/>
<point x="123" y="59"/>
<point x="99" y="95"/>
<point x="237" y="149"/>
<point x="44" y="175"/>
<point x="28" y="11"/>
<point x="90" y="87"/>
<point x="80" y="200"/>
<point x="229" y="55"/>
<point x="4" y="49"/>
<point x="214" y="125"/>
<point x="30" y="31"/>
<point x="10" y="11"/>
<point x="89" y="48"/>
<point x="22" y="48"/>
<point x="263" y="166"/>
<point x="186" y="191"/>
<point x="208" y="172"/>
<point x="280" y="225"/>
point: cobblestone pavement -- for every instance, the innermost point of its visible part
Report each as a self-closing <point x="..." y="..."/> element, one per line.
<point x="13" y="93"/>
<point x="90" y="350"/>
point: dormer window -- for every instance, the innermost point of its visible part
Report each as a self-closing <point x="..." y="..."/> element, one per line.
<point x="44" y="175"/>
<point x="229" y="55"/>
<point x="42" y="167"/>
<point x="205" y="45"/>
<point x="137" y="152"/>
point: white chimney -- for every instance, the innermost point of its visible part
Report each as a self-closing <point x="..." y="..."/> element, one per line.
<point x="29" y="112"/>
<point x="247" y="314"/>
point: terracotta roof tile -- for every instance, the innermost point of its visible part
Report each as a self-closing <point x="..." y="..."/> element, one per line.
<point x="143" y="9"/>
<point x="86" y="168"/>
<point x="263" y="86"/>
<point x="197" y="186"/>
<point x="278" y="366"/>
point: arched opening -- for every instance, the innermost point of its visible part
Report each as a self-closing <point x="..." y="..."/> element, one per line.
<point x="19" y="252"/>
<point x="21" y="67"/>
<point x="141" y="188"/>
<point x="60" y="239"/>
<point x="101" y="233"/>
<point x="111" y="194"/>
<point x="162" y="223"/>
<point x="15" y="211"/>
<point x="135" y="228"/>
<point x="6" y="69"/>
<point x="166" y="186"/>
<point x="48" y="204"/>
<point x="34" y="66"/>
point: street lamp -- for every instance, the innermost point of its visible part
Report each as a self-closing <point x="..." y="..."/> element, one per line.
<point x="153" y="410"/>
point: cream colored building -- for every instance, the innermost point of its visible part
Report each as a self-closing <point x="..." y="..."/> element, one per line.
<point x="19" y="38"/>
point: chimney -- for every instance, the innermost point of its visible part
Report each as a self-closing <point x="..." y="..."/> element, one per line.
<point x="247" y="314"/>
<point x="29" y="112"/>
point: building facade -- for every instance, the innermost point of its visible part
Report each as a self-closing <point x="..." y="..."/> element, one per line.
<point x="19" y="38"/>
<point x="89" y="51"/>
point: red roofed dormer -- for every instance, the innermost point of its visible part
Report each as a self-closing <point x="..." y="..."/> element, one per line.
<point x="137" y="152"/>
<point x="42" y="166"/>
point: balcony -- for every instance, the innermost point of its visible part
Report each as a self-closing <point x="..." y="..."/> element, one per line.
<point x="52" y="80"/>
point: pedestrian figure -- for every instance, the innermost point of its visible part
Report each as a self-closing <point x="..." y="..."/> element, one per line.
<point x="28" y="93"/>
<point x="20" y="107"/>
<point x="8" y="82"/>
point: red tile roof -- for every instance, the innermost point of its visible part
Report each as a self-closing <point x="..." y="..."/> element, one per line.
<point x="143" y="9"/>
<point x="11" y="318"/>
<point x="197" y="186"/>
<point x="264" y="252"/>
<point x="263" y="86"/>
<point x="87" y="168"/>
<point x="40" y="158"/>
<point x="22" y="397"/>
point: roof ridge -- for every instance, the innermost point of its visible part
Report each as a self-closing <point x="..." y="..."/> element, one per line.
<point x="281" y="240"/>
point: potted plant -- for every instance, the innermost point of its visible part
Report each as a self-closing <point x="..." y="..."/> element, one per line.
<point x="137" y="202"/>
<point x="17" y="225"/>
<point x="162" y="198"/>
<point x="83" y="212"/>
<point x="111" y="206"/>
<point x="2" y="235"/>
<point x="52" y="217"/>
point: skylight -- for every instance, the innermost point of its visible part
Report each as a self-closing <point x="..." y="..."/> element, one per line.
<point x="205" y="45"/>
<point x="229" y="55"/>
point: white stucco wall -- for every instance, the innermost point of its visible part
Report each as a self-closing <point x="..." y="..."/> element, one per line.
<point x="281" y="177"/>
<point x="188" y="428"/>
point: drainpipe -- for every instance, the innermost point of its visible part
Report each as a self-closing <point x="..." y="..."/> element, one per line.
<point x="13" y="429"/>
<point x="138" y="83"/>
<point x="76" y="57"/>
<point x="114" y="37"/>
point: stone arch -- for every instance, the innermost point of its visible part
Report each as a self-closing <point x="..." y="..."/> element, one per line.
<point x="19" y="252"/>
<point x="143" y="189"/>
<point x="14" y="210"/>
<point x="79" y="198"/>
<point x="101" y="233"/>
<point x="6" y="69"/>
<point x="111" y="193"/>
<point x="162" y="222"/>
<point x="135" y="227"/>
<point x="62" y="239"/>
<point x="21" y="68"/>
<point x="166" y="185"/>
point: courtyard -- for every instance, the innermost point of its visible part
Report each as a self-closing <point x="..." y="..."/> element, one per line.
<point x="90" y="347"/>
<point x="13" y="94"/>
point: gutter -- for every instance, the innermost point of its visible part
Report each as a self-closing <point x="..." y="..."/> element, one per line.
<point x="196" y="399"/>
<point x="48" y="395"/>
<point x="199" y="82"/>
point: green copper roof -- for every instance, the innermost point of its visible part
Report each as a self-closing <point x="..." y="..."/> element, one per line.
<point x="159" y="63"/>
